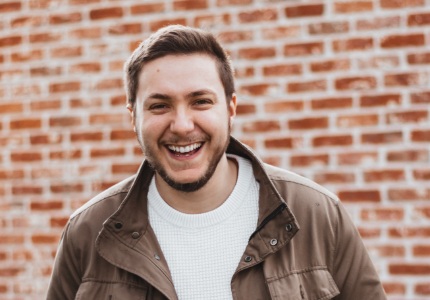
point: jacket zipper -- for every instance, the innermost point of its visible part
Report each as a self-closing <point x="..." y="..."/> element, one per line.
<point x="273" y="214"/>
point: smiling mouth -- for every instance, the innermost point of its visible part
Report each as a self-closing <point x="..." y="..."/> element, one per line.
<point x="184" y="150"/>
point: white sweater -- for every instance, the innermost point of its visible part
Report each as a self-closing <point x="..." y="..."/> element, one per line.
<point x="204" y="250"/>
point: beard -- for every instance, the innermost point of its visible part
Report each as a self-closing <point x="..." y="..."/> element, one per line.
<point x="193" y="186"/>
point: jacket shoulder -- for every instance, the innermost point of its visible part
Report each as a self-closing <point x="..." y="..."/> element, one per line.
<point x="284" y="179"/>
<point x="115" y="191"/>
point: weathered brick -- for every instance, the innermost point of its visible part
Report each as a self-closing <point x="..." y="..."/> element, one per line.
<point x="409" y="269"/>
<point x="284" y="106"/>
<point x="308" y="123"/>
<point x="406" y="40"/>
<point x="360" y="195"/>
<point x="350" y="121"/>
<point x="307" y="86"/>
<point x="401" y="3"/>
<point x="380" y="100"/>
<point x="10" y="41"/>
<point x="332" y="141"/>
<point x="309" y="160"/>
<point x="190" y="4"/>
<point x="353" y="44"/>
<point x="356" y="83"/>
<point x="147" y="8"/>
<point x="328" y="28"/>
<point x="308" y="10"/>
<point x="382" y="138"/>
<point x="106" y="13"/>
<point x="304" y="49"/>
<point x="379" y="23"/>
<point x="7" y="7"/>
<point x="65" y="18"/>
<point x="261" y="126"/>
<point x="279" y="143"/>
<point x="331" y="103"/>
<point x="331" y="65"/>
<point x="405" y="79"/>
<point x="257" y="53"/>
<point x="384" y="175"/>
<point x="353" y="6"/>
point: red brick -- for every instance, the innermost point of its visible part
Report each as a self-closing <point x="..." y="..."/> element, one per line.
<point x="360" y="195"/>
<point x="106" y="13"/>
<point x="147" y="8"/>
<point x="83" y="2"/>
<point x="382" y="138"/>
<point x="419" y="58"/>
<point x="334" y="177"/>
<point x="284" y="106"/>
<point x="281" y="32"/>
<point x="401" y="3"/>
<point x="10" y="6"/>
<point x="378" y="23"/>
<point x="261" y="15"/>
<point x="355" y="83"/>
<point x="422" y="174"/>
<point x="86" y="33"/>
<point x="46" y="205"/>
<point x="408" y="194"/>
<point x="235" y="36"/>
<point x="27" y="56"/>
<point x="51" y="138"/>
<point x="62" y="87"/>
<point x="257" y="53"/>
<point x="47" y="173"/>
<point x="257" y="89"/>
<point x="332" y="141"/>
<point x="155" y="25"/>
<point x="20" y="190"/>
<point x="308" y="123"/>
<point x="309" y="160"/>
<point x="407" y="117"/>
<point x="405" y="79"/>
<point x="89" y="67"/>
<point x="7" y="174"/>
<point x="330" y="65"/>
<point x="86" y="103"/>
<point x="11" y="238"/>
<point x="11" y="107"/>
<point x="27" y="21"/>
<point x="384" y="175"/>
<point x="421" y="250"/>
<point x="65" y="18"/>
<point x="309" y="10"/>
<point x="124" y="168"/>
<point x="118" y="100"/>
<point x="307" y="86"/>
<point x="368" y="233"/>
<point x="107" y="152"/>
<point x="45" y="239"/>
<point x="408" y="156"/>
<point x="243" y="109"/>
<point x="282" y="70"/>
<point x="67" y="52"/>
<point x="379" y="62"/>
<point x="233" y="2"/>
<point x="10" y="41"/>
<point x="67" y="188"/>
<point x="328" y="27"/>
<point x="420" y="135"/>
<point x="358" y="158"/>
<point x="394" y="288"/>
<point x="380" y="100"/>
<point x="118" y="135"/>
<point x="420" y="19"/>
<point x="211" y="20"/>
<point x="65" y="155"/>
<point x="409" y="269"/>
<point x="86" y="136"/>
<point x="121" y="29"/>
<point x="384" y="214"/>
<point x="353" y="6"/>
<point x="388" y="250"/>
<point x="422" y="288"/>
<point x="304" y="49"/>
<point x="26" y="156"/>
<point x="45" y="37"/>
<point x="279" y="143"/>
<point x="331" y="103"/>
<point x="408" y="40"/>
<point x="261" y="126"/>
<point x="45" y="71"/>
<point x="64" y="121"/>
<point x="11" y="272"/>
<point x="45" y="105"/>
<point x="353" y="44"/>
<point x="357" y="120"/>
<point x="59" y="222"/>
<point x="189" y="4"/>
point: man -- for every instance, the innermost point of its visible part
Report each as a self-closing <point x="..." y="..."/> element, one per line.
<point x="204" y="218"/>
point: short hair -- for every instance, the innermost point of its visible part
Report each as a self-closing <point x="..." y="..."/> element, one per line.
<point x="176" y="40"/>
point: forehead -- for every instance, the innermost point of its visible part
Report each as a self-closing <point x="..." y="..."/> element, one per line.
<point x="180" y="74"/>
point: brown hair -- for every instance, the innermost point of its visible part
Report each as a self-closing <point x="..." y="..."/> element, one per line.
<point x="174" y="40"/>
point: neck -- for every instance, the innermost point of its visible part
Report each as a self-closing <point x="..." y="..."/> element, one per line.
<point x="209" y="197"/>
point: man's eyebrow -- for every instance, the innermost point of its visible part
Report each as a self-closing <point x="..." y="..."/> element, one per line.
<point x="200" y="93"/>
<point x="159" y="96"/>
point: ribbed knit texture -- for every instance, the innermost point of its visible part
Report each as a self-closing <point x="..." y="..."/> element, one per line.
<point x="203" y="250"/>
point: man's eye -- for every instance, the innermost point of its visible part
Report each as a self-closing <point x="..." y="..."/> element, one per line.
<point x="158" y="107"/>
<point x="202" y="101"/>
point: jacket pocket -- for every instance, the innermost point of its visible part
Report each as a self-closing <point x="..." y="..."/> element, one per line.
<point x="314" y="283"/>
<point x="96" y="290"/>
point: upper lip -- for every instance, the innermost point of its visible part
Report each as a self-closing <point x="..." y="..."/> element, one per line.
<point x="184" y="148"/>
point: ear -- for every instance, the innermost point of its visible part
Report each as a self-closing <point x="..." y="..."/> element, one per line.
<point x="131" y="111"/>
<point x="232" y="107"/>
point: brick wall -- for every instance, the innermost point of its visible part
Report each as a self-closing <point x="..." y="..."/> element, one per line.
<point x="335" y="90"/>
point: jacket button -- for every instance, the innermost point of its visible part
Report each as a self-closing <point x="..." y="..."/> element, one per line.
<point x="273" y="242"/>
<point x="135" y="235"/>
<point x="248" y="258"/>
<point x="157" y="257"/>
<point x="118" y="225"/>
<point x="289" y="227"/>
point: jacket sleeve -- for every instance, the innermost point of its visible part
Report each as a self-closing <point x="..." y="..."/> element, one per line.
<point x="66" y="277"/>
<point x="354" y="272"/>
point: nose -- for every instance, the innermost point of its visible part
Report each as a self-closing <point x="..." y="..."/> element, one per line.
<point x="182" y="122"/>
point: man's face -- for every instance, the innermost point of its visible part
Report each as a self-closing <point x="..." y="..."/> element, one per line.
<point x="182" y="119"/>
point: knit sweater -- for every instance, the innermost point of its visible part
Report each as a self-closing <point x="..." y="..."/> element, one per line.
<point x="203" y="250"/>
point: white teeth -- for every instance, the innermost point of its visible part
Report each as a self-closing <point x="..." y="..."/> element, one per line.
<point x="185" y="149"/>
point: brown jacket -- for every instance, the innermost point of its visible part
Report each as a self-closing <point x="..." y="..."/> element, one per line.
<point x="305" y="246"/>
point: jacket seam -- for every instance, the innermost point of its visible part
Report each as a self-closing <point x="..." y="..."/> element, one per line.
<point x="301" y="271"/>
<point x="113" y="282"/>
